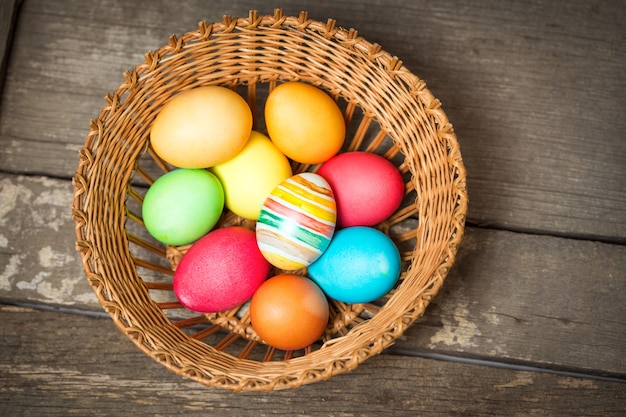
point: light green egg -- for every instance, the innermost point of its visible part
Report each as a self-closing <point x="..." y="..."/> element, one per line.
<point x="183" y="205"/>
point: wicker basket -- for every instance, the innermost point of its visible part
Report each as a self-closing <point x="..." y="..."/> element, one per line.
<point x="388" y="110"/>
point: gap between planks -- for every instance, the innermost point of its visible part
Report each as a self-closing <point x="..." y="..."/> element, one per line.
<point x="393" y="351"/>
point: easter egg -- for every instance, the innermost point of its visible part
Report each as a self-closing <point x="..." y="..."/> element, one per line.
<point x="251" y="175"/>
<point x="201" y="127"/>
<point x="368" y="188"/>
<point x="222" y="270"/>
<point x="182" y="205"/>
<point x="304" y="122"/>
<point x="361" y="265"/>
<point x="297" y="221"/>
<point x="289" y="312"/>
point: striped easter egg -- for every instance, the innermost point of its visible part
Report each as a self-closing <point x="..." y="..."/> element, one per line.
<point x="297" y="221"/>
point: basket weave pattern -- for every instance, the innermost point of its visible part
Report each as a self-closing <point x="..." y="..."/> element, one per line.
<point x="388" y="110"/>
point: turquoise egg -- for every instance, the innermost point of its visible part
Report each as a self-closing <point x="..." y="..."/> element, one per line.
<point x="360" y="265"/>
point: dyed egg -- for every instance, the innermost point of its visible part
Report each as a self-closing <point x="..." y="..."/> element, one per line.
<point x="220" y="271"/>
<point x="297" y="221"/>
<point x="361" y="265"/>
<point x="304" y="122"/>
<point x="252" y="174"/>
<point x="289" y="312"/>
<point x="201" y="127"/>
<point x="182" y="205"/>
<point x="368" y="188"/>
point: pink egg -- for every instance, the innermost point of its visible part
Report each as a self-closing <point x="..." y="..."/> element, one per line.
<point x="220" y="271"/>
<point x="368" y="188"/>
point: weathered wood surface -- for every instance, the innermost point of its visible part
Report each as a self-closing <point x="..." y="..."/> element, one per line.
<point x="535" y="90"/>
<point x="539" y="300"/>
<point x="60" y="365"/>
<point x="8" y="14"/>
<point x="557" y="303"/>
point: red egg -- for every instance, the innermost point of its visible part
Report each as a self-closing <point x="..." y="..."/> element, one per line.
<point x="289" y="312"/>
<point x="220" y="271"/>
<point x="367" y="187"/>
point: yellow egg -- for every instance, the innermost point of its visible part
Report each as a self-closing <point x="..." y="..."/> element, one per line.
<point x="304" y="122"/>
<point x="251" y="175"/>
<point x="201" y="127"/>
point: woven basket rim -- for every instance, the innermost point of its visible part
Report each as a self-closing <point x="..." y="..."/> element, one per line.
<point x="110" y="267"/>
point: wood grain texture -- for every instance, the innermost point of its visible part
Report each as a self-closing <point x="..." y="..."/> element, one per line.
<point x="44" y="371"/>
<point x="8" y="13"/>
<point x="552" y="301"/>
<point x="535" y="91"/>
<point x="513" y="297"/>
<point x="38" y="262"/>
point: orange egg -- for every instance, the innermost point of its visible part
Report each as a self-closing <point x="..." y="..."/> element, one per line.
<point x="304" y="122"/>
<point x="289" y="312"/>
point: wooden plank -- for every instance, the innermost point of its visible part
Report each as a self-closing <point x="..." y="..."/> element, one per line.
<point x="535" y="91"/>
<point x="536" y="300"/>
<point x="8" y="13"/>
<point x="38" y="262"/>
<point x="555" y="303"/>
<point x="58" y="364"/>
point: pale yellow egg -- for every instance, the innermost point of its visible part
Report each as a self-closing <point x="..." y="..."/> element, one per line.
<point x="201" y="127"/>
<point x="250" y="176"/>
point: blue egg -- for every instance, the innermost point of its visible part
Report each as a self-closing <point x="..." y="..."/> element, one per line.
<point x="360" y="265"/>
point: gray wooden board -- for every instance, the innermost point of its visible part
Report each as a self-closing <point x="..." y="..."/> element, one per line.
<point x="8" y="13"/>
<point x="551" y="301"/>
<point x="38" y="262"/>
<point x="57" y="364"/>
<point x="535" y="90"/>
<point x="519" y="298"/>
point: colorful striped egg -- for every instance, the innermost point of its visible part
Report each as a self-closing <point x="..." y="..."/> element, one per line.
<point x="297" y="221"/>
